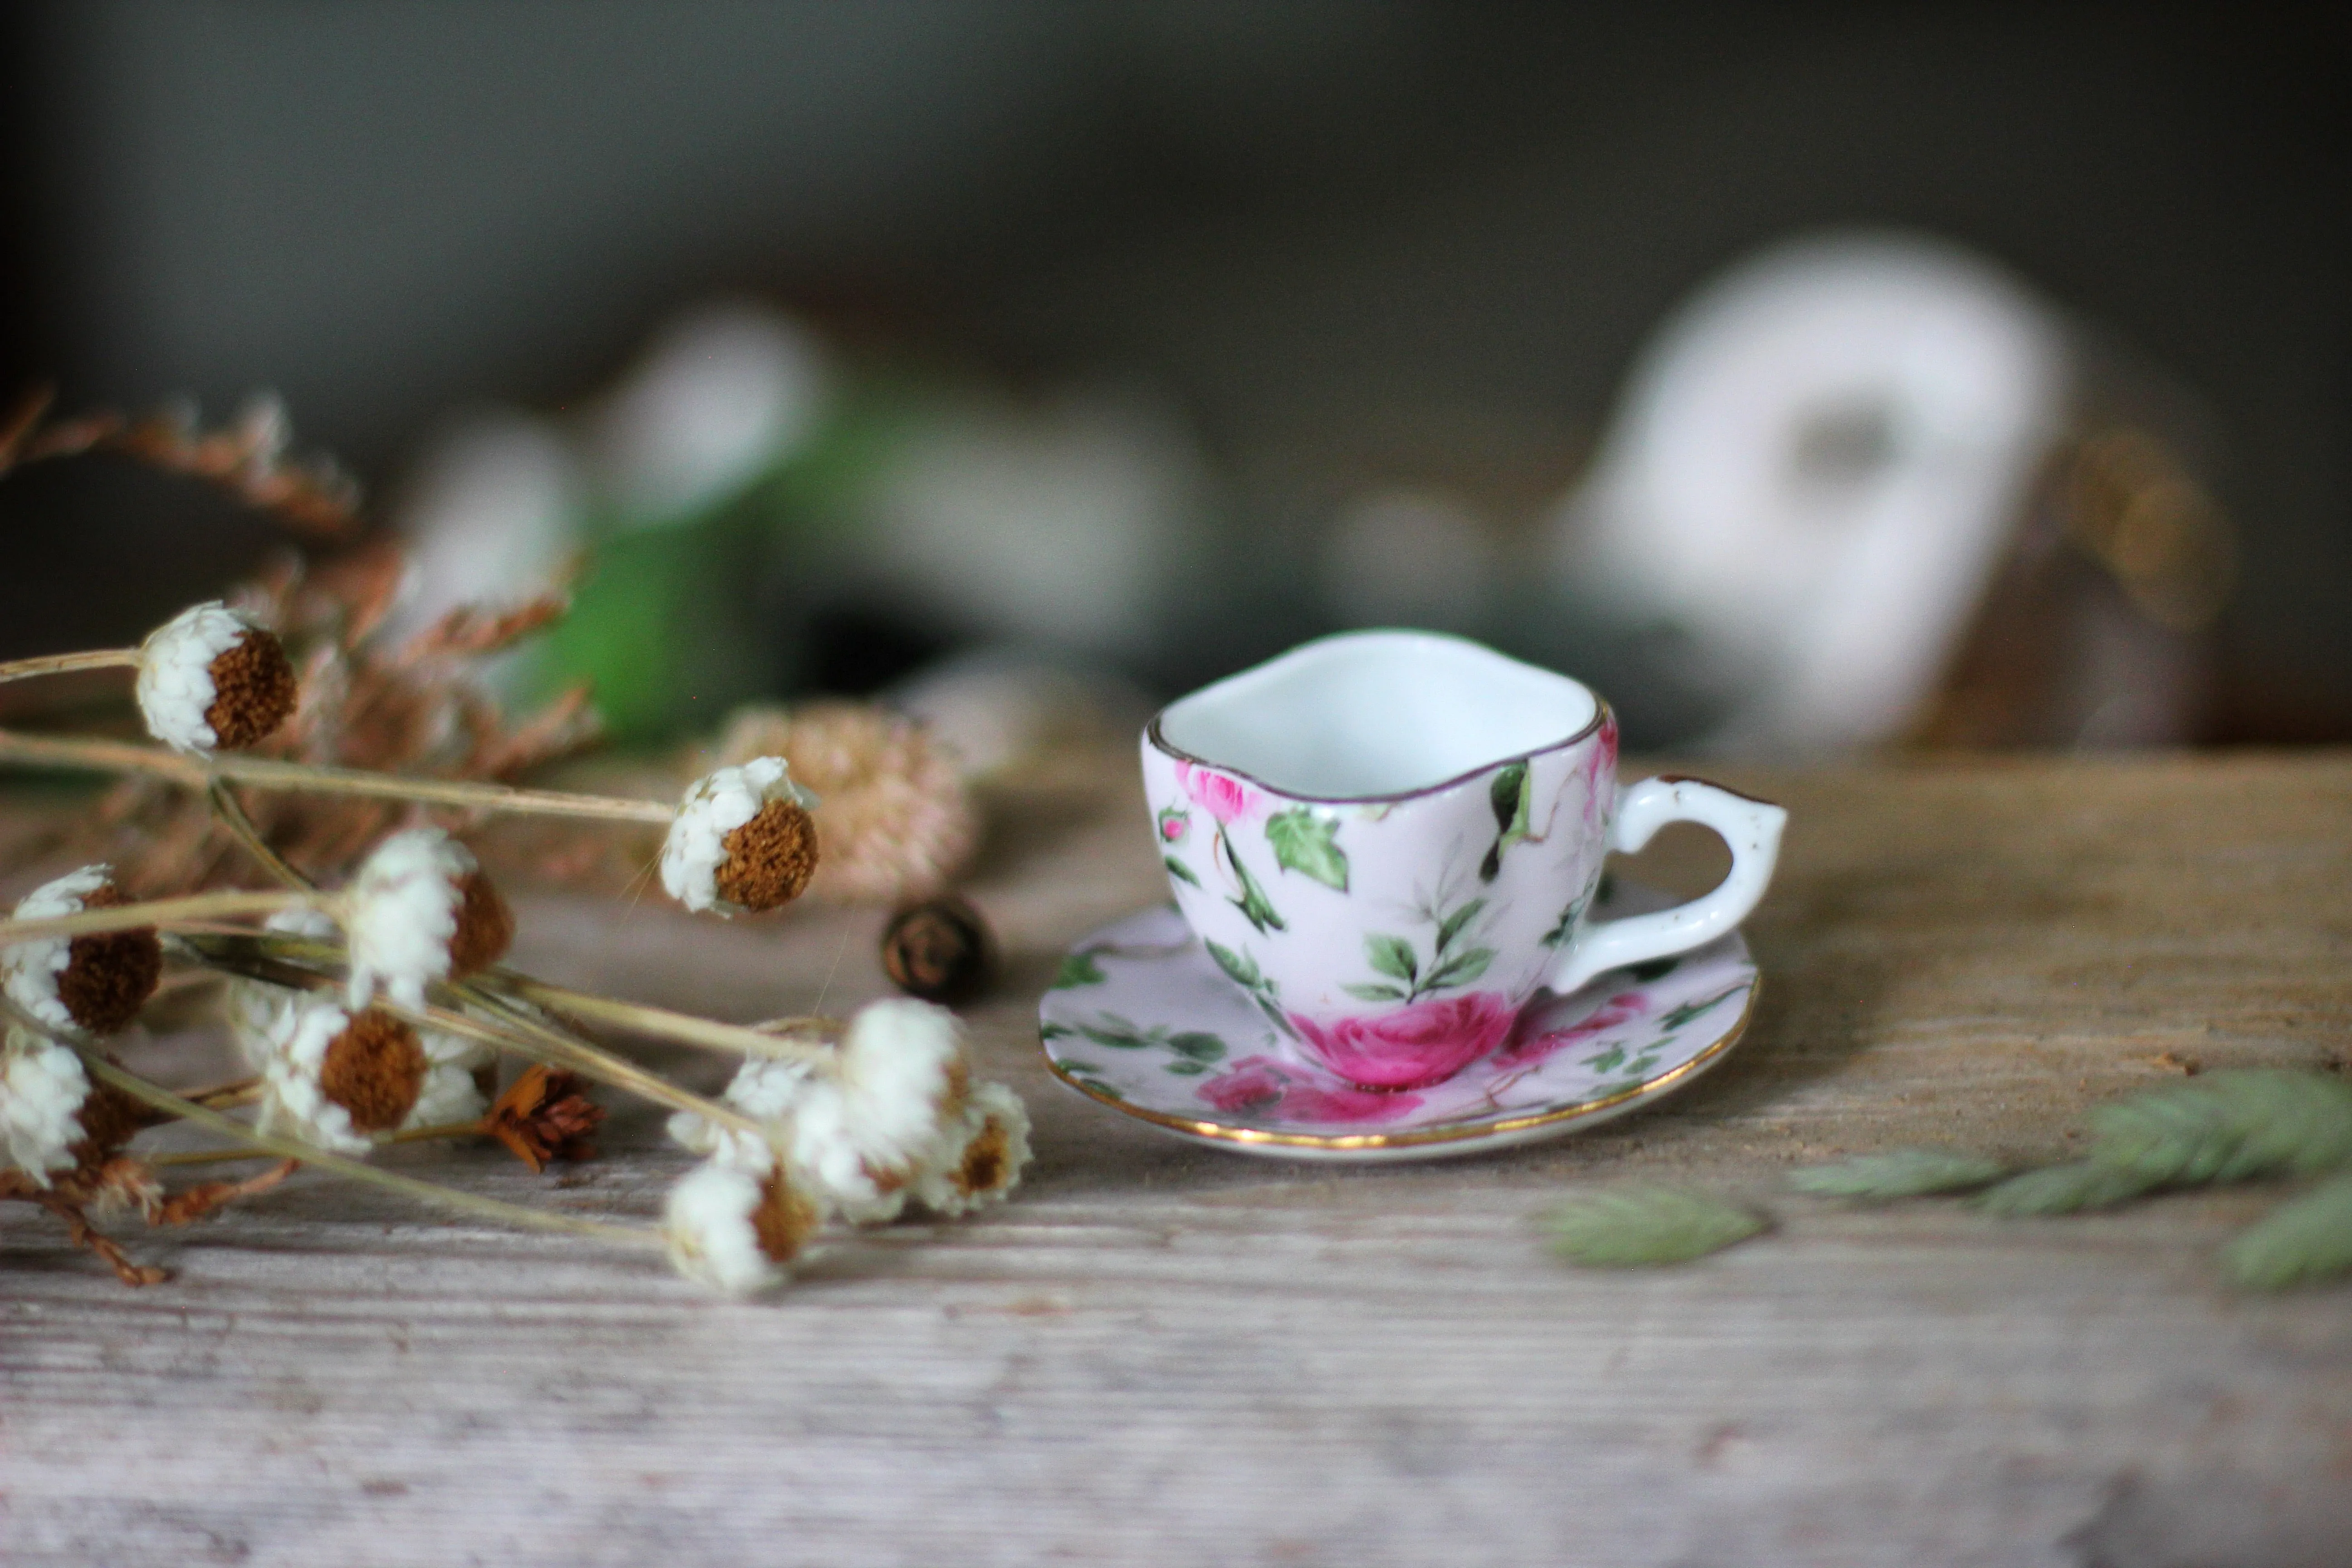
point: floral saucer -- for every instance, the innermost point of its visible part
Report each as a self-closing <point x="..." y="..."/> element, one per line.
<point x="1140" y="1019"/>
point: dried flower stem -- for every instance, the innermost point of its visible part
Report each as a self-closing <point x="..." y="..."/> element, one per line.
<point x="683" y="1028"/>
<point x="117" y="756"/>
<point x="209" y="1156"/>
<point x="445" y="1129"/>
<point x="537" y="1041"/>
<point x="472" y="1204"/>
<point x="65" y="663"/>
<point x="196" y="909"/>
<point x="232" y="815"/>
<point x="229" y="1090"/>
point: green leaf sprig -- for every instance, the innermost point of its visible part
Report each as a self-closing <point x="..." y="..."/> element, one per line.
<point x="2231" y="1126"/>
<point x="1632" y="1226"/>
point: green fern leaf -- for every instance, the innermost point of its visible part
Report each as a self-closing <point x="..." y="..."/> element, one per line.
<point x="2308" y="1238"/>
<point x="1898" y="1173"/>
<point x="1634" y="1226"/>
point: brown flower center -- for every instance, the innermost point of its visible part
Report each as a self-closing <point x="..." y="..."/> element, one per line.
<point x="374" y="1069"/>
<point x="486" y="927"/>
<point x="109" y="976"/>
<point x="254" y="690"/>
<point x="770" y="859"/>
<point x="982" y="1169"/>
<point x="109" y="1118"/>
<point x="785" y="1220"/>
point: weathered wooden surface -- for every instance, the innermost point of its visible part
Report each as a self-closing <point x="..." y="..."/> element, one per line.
<point x="1165" y="1353"/>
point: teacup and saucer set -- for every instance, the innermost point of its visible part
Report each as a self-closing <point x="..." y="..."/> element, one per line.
<point x="1391" y="936"/>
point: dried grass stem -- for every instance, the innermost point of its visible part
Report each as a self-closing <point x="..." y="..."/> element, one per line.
<point x="465" y="795"/>
<point x="481" y="1207"/>
<point x="682" y="1028"/>
<point x="67" y="663"/>
<point x="196" y="909"/>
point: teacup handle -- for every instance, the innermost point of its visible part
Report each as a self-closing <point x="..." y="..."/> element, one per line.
<point x="1751" y="827"/>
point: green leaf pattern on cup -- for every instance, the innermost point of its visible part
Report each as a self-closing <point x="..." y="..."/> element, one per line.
<point x="1078" y="968"/>
<point x="1508" y="795"/>
<point x="1307" y="841"/>
<point x="1450" y="965"/>
<point x="1243" y="972"/>
<point x="1255" y="906"/>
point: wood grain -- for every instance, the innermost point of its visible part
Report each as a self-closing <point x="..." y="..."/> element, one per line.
<point x="1165" y="1353"/>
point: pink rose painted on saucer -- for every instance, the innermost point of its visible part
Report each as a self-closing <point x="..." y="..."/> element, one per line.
<point x="1533" y="1046"/>
<point x="1408" y="1047"/>
<point x="1270" y="1087"/>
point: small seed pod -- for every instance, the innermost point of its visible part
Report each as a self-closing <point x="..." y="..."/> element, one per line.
<point x="211" y="679"/>
<point x="940" y="950"/>
<point x="96" y="983"/>
<point x="421" y="911"/>
<point x="546" y="1115"/>
<point x="743" y="840"/>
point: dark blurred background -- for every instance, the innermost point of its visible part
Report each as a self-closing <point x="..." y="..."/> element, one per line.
<point x="1347" y="247"/>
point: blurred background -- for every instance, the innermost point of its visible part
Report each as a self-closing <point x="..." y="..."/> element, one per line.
<point x="1808" y="377"/>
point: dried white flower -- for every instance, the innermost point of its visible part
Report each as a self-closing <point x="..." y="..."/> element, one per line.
<point x="252" y="1007"/>
<point x="743" y="840"/>
<point x="990" y="1153"/>
<point x="454" y="1075"/>
<point x="420" y="911"/>
<point x="861" y="1132"/>
<point x="334" y="1077"/>
<point x="897" y="822"/>
<point x="731" y="1223"/>
<point x="42" y="1087"/>
<point x="96" y="983"/>
<point x="210" y="678"/>
<point x="903" y="1078"/>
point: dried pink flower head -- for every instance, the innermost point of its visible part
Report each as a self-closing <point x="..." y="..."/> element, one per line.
<point x="211" y="680"/>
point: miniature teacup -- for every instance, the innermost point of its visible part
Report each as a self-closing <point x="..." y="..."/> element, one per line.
<point x="1391" y="840"/>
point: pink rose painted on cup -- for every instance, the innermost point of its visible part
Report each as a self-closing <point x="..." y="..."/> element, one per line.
<point x="1408" y="1047"/>
<point x="1227" y="799"/>
<point x="1267" y="1087"/>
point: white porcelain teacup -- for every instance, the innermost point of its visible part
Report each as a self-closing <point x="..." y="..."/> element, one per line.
<point x="1391" y="840"/>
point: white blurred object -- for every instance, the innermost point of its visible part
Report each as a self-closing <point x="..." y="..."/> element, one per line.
<point x="995" y="708"/>
<point x="1816" y="471"/>
<point x="720" y="395"/>
<point x="1055" y="526"/>
<point x="1410" y="558"/>
<point x="489" y="516"/>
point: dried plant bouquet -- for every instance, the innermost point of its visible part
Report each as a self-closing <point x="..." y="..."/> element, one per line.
<point x="364" y="984"/>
